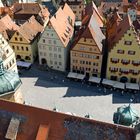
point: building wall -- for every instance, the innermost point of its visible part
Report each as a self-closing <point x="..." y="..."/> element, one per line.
<point x="23" y="48"/>
<point x="8" y="56"/>
<point x="14" y="97"/>
<point x="120" y="54"/>
<point x="78" y="10"/>
<point x="86" y="58"/>
<point x="52" y="50"/>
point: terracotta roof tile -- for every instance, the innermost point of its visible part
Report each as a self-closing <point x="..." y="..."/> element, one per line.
<point x="119" y="28"/>
<point x="6" y="23"/>
<point x="30" y="29"/>
<point x="63" y="23"/>
<point x="62" y="126"/>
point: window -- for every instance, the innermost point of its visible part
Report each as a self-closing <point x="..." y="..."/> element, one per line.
<point x="49" y="41"/>
<point x="43" y="40"/>
<point x="13" y="47"/>
<point x="50" y="48"/>
<point x="20" y="39"/>
<point x="120" y="51"/>
<point x="27" y="49"/>
<point x="52" y="34"/>
<point x="97" y="57"/>
<point x="27" y="58"/>
<point x="90" y="49"/>
<point x="55" y="62"/>
<point x="44" y="54"/>
<point x="16" y="38"/>
<point x="59" y="49"/>
<point x="131" y="52"/>
<point x="133" y="80"/>
<point x="59" y="56"/>
<point x="128" y="42"/>
<point x="55" y="55"/>
<point x="82" y="48"/>
<point x="7" y="51"/>
<point x="60" y="63"/>
<point x="22" y="48"/>
<point x="113" y="78"/>
<point x="13" y="61"/>
<point x="84" y="39"/>
<point x="17" y="47"/>
<point x="40" y="53"/>
<point x="17" y="33"/>
<point x="54" y="41"/>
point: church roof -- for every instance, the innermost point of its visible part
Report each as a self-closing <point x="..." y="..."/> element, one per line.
<point x="9" y="80"/>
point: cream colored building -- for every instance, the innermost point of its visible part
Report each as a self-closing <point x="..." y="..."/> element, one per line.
<point x="86" y="53"/>
<point x="54" y="44"/>
<point x="7" y="55"/>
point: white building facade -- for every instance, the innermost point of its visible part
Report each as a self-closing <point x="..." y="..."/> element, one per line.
<point x="53" y="46"/>
<point x="7" y="55"/>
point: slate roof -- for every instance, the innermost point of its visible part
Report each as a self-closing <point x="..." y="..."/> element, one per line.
<point x="57" y="126"/>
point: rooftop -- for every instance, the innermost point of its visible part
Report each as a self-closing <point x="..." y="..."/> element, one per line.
<point x="30" y="124"/>
<point x="9" y="80"/>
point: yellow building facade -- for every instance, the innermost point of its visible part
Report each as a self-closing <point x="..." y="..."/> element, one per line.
<point x="24" y="40"/>
<point x="86" y="53"/>
<point x="23" y="49"/>
<point x="124" y="59"/>
<point x="86" y="58"/>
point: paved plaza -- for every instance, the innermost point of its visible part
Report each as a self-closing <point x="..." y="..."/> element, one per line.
<point x="49" y="89"/>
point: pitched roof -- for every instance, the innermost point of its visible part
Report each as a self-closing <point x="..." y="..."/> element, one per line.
<point x="90" y="10"/>
<point x="24" y="11"/>
<point x="26" y="8"/>
<point x="63" y="24"/>
<point x="57" y="126"/>
<point x="6" y="23"/>
<point x="90" y="29"/>
<point x="119" y="30"/>
<point x="30" y="29"/>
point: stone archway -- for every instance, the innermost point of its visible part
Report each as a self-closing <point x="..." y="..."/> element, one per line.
<point x="18" y="57"/>
<point x="43" y="61"/>
<point x="123" y="79"/>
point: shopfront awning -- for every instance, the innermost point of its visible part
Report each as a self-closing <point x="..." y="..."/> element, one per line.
<point x="119" y="85"/>
<point x="108" y="82"/>
<point x="23" y="64"/>
<point x="94" y="80"/>
<point x="80" y="76"/>
<point x="132" y="86"/>
<point x="72" y="75"/>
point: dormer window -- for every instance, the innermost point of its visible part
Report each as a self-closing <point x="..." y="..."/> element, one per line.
<point x="128" y="42"/>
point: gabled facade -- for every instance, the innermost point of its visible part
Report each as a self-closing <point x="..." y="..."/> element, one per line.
<point x="77" y="7"/>
<point x="86" y="52"/>
<point x="24" y="40"/>
<point x="54" y="43"/>
<point x="7" y="55"/>
<point x="123" y="57"/>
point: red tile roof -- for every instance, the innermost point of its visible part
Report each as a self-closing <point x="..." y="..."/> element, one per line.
<point x="119" y="27"/>
<point x="63" y="23"/>
<point x="30" y="29"/>
<point x="6" y="24"/>
<point x="61" y="126"/>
